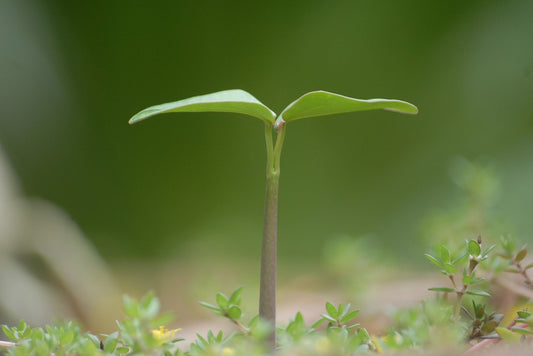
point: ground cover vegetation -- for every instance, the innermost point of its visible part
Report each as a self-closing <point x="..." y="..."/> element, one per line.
<point x="462" y="317"/>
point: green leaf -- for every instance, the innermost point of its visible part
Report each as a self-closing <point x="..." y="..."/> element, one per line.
<point x="22" y="325"/>
<point x="473" y="248"/>
<point x="350" y="316"/>
<point x="320" y="103"/>
<point x="111" y="342"/>
<point x="353" y="326"/>
<point x="216" y="310"/>
<point x="459" y="258"/>
<point x="235" y="101"/>
<point x="434" y="260"/>
<point x="149" y="306"/>
<point x="66" y="338"/>
<point x="520" y="330"/>
<point x="210" y="306"/>
<point x="317" y="323"/>
<point x="330" y="308"/>
<point x="479" y="293"/>
<point x="202" y="340"/>
<point x="340" y="310"/>
<point x="449" y="268"/>
<point x="477" y="280"/>
<point x="344" y="310"/>
<point x="7" y="331"/>
<point x="486" y="252"/>
<point x="524" y="314"/>
<point x="508" y="243"/>
<point x="235" y="297"/>
<point x="130" y="306"/>
<point x="508" y="335"/>
<point x="222" y="300"/>
<point x="363" y="333"/>
<point x="529" y="320"/>
<point x="521" y="253"/>
<point x="467" y="279"/>
<point x="442" y="289"/>
<point x="329" y="318"/>
<point x="444" y="254"/>
<point x="234" y="312"/>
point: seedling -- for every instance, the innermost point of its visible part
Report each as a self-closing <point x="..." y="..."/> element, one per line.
<point x="316" y="103"/>
<point x="449" y="266"/>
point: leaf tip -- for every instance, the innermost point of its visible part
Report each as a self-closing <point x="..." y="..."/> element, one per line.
<point x="408" y="108"/>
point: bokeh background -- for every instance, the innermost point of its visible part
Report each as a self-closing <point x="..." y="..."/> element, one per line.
<point x="188" y="189"/>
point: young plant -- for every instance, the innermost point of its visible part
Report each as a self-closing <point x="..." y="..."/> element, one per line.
<point x="449" y="266"/>
<point x="483" y="323"/>
<point x="316" y="103"/>
<point x="229" y="307"/>
<point x="514" y="258"/>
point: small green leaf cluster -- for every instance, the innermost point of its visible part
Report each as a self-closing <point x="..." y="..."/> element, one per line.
<point x="519" y="329"/>
<point x="429" y="325"/>
<point x="61" y="339"/>
<point x="138" y="334"/>
<point x="514" y="257"/>
<point x="342" y="335"/>
<point x="485" y="326"/>
<point x="211" y="344"/>
<point x="523" y="324"/>
<point x="141" y="332"/>
<point x="227" y="307"/>
<point x="483" y="323"/>
<point x="432" y="325"/>
<point x="467" y="261"/>
<point x="338" y="317"/>
<point x="295" y="330"/>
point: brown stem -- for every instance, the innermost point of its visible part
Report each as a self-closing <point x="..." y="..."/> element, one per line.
<point x="523" y="272"/>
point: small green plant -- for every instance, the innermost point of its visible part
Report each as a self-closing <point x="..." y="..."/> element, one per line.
<point x="316" y="103"/>
<point x="434" y="325"/>
<point x="483" y="323"/>
<point x="485" y="327"/>
<point x="467" y="262"/>
<point x="514" y="258"/>
<point x="228" y="307"/>
<point x="142" y="332"/>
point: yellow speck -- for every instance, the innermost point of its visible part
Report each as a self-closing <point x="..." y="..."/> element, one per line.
<point x="164" y="335"/>
<point x="228" y="351"/>
<point x="377" y="345"/>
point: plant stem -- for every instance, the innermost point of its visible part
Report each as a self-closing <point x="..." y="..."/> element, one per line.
<point x="459" y="302"/>
<point x="6" y="344"/>
<point x="267" y="293"/>
<point x="523" y="272"/>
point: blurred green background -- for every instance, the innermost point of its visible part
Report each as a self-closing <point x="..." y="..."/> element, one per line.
<point x="73" y="73"/>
